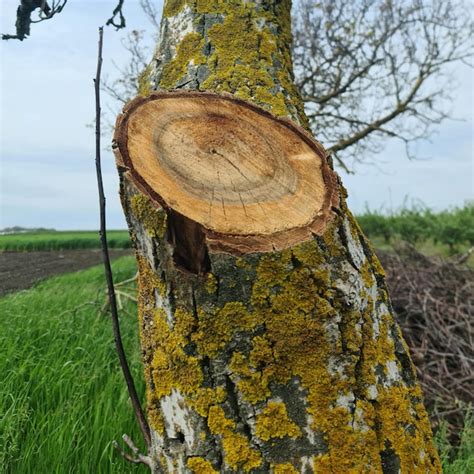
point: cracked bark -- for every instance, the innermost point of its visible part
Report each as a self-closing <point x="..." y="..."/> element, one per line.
<point x="264" y="361"/>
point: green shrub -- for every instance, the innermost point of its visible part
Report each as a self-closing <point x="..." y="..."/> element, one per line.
<point x="377" y="224"/>
<point x="458" y="460"/>
<point x="453" y="228"/>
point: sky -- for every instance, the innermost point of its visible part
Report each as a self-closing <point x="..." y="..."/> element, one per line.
<point x="47" y="170"/>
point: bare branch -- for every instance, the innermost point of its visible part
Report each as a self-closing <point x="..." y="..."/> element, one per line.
<point x="151" y="13"/>
<point x="125" y="86"/>
<point x="138" y="457"/>
<point x="25" y="11"/>
<point x="106" y="258"/>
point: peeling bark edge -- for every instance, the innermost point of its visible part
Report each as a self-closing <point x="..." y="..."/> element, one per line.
<point x="235" y="244"/>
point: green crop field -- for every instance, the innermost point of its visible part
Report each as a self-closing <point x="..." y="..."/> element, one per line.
<point x="62" y="240"/>
<point x="62" y="397"/>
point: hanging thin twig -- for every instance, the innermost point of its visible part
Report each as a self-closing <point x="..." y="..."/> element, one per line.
<point x="117" y="11"/>
<point x="105" y="255"/>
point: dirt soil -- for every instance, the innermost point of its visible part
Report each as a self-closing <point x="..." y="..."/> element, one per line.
<point x="20" y="270"/>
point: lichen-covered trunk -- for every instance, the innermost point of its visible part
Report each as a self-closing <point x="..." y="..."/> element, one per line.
<point x="286" y="361"/>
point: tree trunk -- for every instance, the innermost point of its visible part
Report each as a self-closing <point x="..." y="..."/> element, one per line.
<point x="263" y="360"/>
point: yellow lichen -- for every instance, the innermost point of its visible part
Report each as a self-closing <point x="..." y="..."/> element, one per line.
<point x="242" y="263"/>
<point x="377" y="266"/>
<point x="199" y="465"/>
<point x="205" y="398"/>
<point x="240" y="63"/>
<point x="148" y="284"/>
<point x="189" y="52"/>
<point x="367" y="274"/>
<point x="261" y="351"/>
<point x="211" y="283"/>
<point x="255" y="66"/>
<point x="322" y="464"/>
<point x="309" y="254"/>
<point x="215" y="330"/>
<point x="155" y="417"/>
<point x="144" y="83"/>
<point x="172" y="367"/>
<point x="238" y="454"/>
<point x="217" y="421"/>
<point x="332" y="242"/>
<point x="165" y="343"/>
<point x="290" y="300"/>
<point x="153" y="219"/>
<point x="300" y="348"/>
<point x="286" y="468"/>
<point x="274" y="422"/>
<point x="173" y="7"/>
<point x="398" y="407"/>
<point x="253" y="384"/>
<point x="412" y="445"/>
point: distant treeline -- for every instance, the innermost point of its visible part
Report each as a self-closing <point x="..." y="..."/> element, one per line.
<point x="416" y="225"/>
<point x="18" y="229"/>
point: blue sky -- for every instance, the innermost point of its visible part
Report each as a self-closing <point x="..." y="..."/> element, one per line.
<point x="47" y="173"/>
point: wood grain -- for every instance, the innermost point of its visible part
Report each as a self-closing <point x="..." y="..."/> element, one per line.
<point x="251" y="180"/>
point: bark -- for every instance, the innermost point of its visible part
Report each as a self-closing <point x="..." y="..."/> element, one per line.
<point x="268" y="361"/>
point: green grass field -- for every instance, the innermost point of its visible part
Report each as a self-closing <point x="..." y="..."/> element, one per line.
<point x="62" y="240"/>
<point x="62" y="397"/>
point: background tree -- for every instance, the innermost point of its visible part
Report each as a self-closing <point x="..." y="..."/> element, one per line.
<point x="371" y="70"/>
